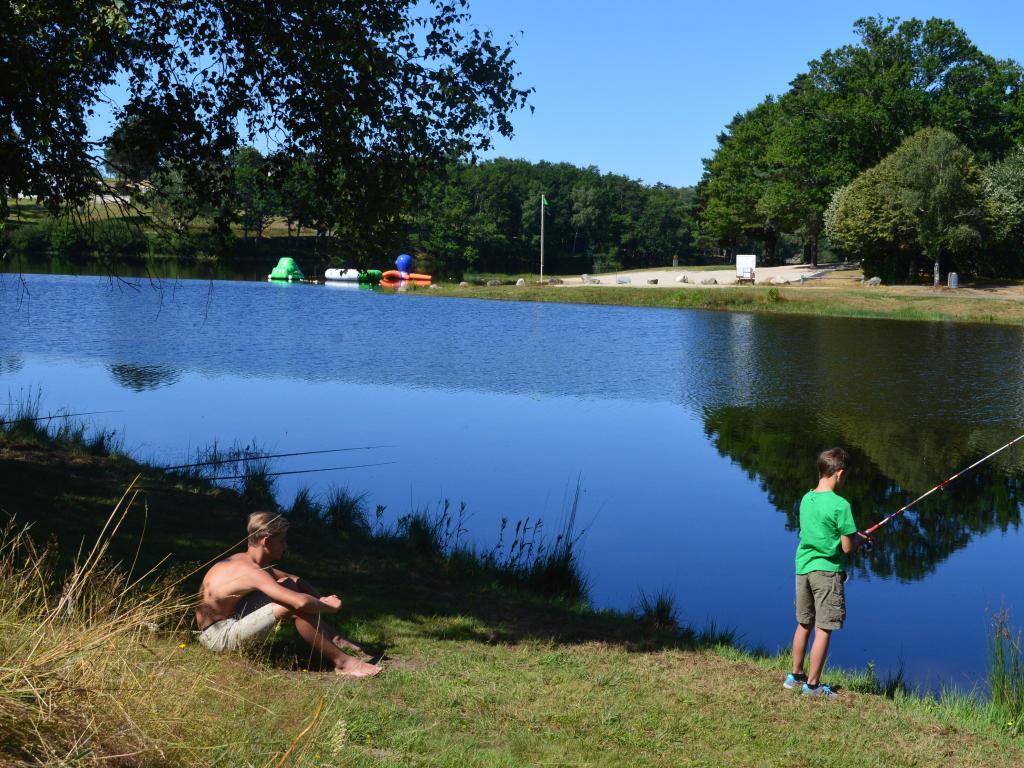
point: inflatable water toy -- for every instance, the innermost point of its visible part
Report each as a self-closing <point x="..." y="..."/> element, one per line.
<point x="393" y="276"/>
<point x="353" y="275"/>
<point x="403" y="273"/>
<point x="341" y="285"/>
<point x="287" y="270"/>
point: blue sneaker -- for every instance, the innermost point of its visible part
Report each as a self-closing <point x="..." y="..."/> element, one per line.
<point x="794" y="681"/>
<point x="820" y="691"/>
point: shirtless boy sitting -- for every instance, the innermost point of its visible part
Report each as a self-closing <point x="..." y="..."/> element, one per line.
<point x="243" y="596"/>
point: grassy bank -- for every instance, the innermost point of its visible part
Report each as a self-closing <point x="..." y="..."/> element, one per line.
<point x="483" y="670"/>
<point x="897" y="303"/>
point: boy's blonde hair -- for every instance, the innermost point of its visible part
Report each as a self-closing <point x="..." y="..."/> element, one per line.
<point x="265" y="524"/>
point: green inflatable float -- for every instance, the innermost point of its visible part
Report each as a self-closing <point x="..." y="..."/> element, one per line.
<point x="286" y="270"/>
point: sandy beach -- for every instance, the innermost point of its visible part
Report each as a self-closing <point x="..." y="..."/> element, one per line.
<point x="670" y="277"/>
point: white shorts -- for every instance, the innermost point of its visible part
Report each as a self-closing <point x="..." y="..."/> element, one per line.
<point x="253" y="617"/>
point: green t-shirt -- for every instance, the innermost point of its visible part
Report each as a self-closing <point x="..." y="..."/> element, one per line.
<point x="824" y="517"/>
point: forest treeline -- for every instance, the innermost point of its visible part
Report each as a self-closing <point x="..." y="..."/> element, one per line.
<point x="902" y="150"/>
<point x="471" y="217"/>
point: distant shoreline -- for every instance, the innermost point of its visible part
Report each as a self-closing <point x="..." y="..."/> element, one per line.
<point x="839" y="295"/>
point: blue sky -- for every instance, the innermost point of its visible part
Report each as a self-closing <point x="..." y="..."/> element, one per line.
<point x="644" y="88"/>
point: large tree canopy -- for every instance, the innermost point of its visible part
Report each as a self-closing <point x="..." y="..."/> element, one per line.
<point x="374" y="91"/>
<point x="852" y="107"/>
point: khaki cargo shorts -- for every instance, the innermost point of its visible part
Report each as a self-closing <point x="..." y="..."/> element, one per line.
<point x="254" y="617"/>
<point x="821" y="599"/>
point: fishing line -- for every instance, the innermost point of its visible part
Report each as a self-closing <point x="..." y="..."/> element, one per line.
<point x="938" y="487"/>
<point x="55" y="416"/>
<point x="257" y="457"/>
<point x="299" y="471"/>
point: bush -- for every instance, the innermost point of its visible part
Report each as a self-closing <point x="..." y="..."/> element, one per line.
<point x="118" y="238"/>
<point x="29" y="241"/>
<point x="658" y="611"/>
<point x="70" y="240"/>
<point x="345" y="512"/>
<point x="1006" y="668"/>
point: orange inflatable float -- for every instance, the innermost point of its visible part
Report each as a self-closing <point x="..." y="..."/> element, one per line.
<point x="393" y="276"/>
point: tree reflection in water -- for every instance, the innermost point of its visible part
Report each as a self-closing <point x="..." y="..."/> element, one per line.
<point x="141" y="378"/>
<point x="892" y="465"/>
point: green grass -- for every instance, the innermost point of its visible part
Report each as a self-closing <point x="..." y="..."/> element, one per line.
<point x="894" y="303"/>
<point x="1006" y="671"/>
<point x="484" y="671"/>
<point x="24" y="422"/>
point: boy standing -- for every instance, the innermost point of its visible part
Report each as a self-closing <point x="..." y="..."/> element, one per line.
<point x="827" y="533"/>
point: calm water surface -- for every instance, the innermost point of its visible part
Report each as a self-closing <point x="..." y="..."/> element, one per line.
<point x="693" y="433"/>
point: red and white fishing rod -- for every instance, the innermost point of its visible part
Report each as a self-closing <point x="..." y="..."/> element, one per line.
<point x="938" y="487"/>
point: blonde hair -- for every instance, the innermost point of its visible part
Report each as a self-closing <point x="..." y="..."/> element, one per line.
<point x="265" y="524"/>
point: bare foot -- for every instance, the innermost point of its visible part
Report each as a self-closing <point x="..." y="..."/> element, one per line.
<point x="355" y="668"/>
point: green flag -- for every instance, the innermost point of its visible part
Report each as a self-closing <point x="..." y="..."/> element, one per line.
<point x="543" y="200"/>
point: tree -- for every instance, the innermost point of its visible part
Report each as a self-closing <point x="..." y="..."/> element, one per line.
<point x="294" y="178"/>
<point x="927" y="198"/>
<point x="130" y="155"/>
<point x="486" y="217"/>
<point x="256" y="196"/>
<point x="378" y="95"/>
<point x="663" y="226"/>
<point x="734" y="182"/>
<point x="171" y="200"/>
<point x="941" y="193"/>
<point x="1004" y="183"/>
<point x="864" y="220"/>
<point x="585" y="198"/>
<point x="907" y="75"/>
<point x="55" y="57"/>
<point x="852" y="107"/>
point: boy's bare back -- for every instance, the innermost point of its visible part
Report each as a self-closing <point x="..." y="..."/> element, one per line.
<point x="224" y="585"/>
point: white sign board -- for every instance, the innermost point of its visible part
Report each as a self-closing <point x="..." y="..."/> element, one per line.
<point x="745" y="264"/>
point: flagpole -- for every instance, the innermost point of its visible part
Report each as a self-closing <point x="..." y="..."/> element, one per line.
<point x="542" y="238"/>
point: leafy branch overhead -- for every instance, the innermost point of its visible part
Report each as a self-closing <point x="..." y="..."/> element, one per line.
<point x="376" y="94"/>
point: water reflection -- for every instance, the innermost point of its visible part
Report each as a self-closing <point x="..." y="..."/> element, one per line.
<point x="11" y="363"/>
<point x="892" y="465"/>
<point x="141" y="378"/>
<point x="154" y="269"/>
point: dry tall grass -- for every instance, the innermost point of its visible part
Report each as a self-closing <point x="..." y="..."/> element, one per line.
<point x="96" y="669"/>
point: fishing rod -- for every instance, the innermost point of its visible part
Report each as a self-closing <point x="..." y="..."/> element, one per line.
<point x="258" y="456"/>
<point x="55" y="416"/>
<point x="939" y="487"/>
<point x="303" y="471"/>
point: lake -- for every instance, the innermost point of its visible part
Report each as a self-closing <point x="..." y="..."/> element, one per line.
<point x="692" y="434"/>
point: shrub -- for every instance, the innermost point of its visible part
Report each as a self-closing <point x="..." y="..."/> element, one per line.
<point x="70" y="240"/>
<point x="1006" y="668"/>
<point x="29" y="241"/>
<point x="658" y="611"/>
<point x="118" y="238"/>
<point x="345" y="512"/>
